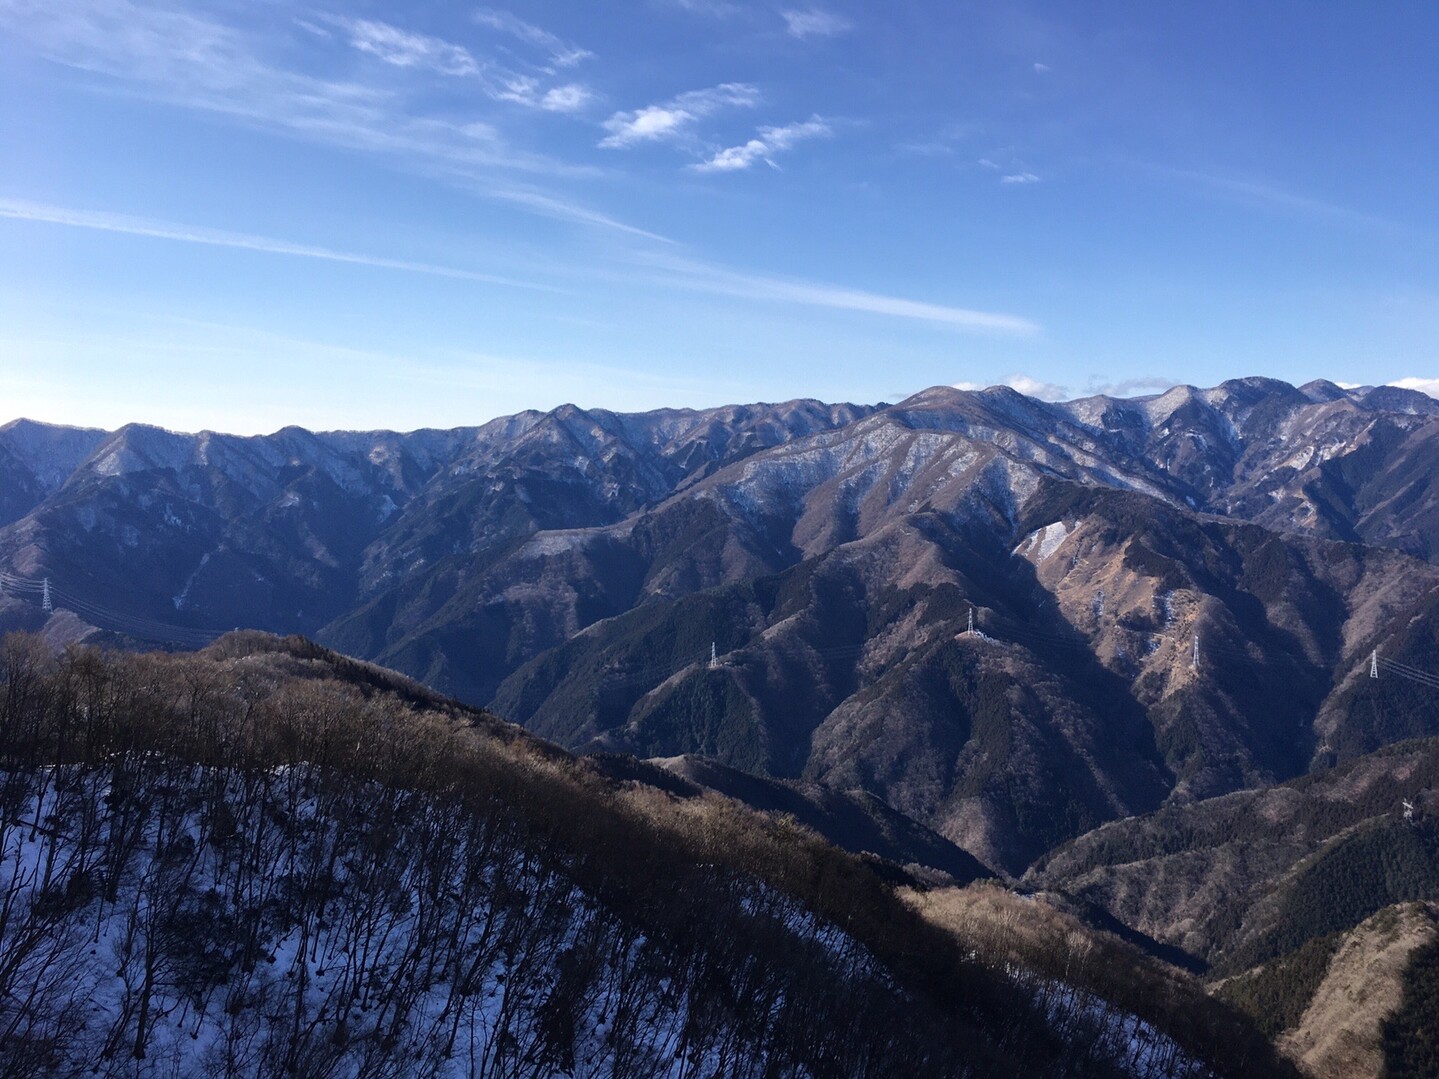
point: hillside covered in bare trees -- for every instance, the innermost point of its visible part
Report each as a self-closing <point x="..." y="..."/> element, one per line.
<point x="266" y="859"/>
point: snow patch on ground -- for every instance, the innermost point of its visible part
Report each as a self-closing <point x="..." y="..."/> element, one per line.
<point x="1042" y="543"/>
<point x="1052" y="535"/>
<point x="1121" y="1038"/>
<point x="558" y="541"/>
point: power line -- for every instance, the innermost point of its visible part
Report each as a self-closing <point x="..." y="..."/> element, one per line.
<point x="658" y="673"/>
<point x="51" y="594"/>
<point x="1385" y="661"/>
<point x="1422" y="678"/>
<point x="1009" y="629"/>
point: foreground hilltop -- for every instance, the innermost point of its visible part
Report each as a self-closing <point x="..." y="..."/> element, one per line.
<point x="265" y="858"/>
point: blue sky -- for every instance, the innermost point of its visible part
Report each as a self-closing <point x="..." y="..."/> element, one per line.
<point x="240" y="214"/>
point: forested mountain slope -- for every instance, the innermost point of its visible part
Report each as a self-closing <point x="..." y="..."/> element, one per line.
<point x="1313" y="903"/>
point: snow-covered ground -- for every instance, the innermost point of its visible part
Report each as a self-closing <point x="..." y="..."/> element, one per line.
<point x="160" y="921"/>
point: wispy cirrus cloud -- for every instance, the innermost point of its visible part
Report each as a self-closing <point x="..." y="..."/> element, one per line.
<point x="24" y="210"/>
<point x="406" y="49"/>
<point x="403" y="48"/>
<point x="198" y="62"/>
<point x="530" y="92"/>
<point x="814" y="22"/>
<point x="768" y="142"/>
<point x="945" y="142"/>
<point x="561" y="53"/>
<point x="1009" y="166"/>
<point x="674" y="119"/>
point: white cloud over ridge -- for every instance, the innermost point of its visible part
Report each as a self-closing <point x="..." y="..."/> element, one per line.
<point x="1058" y="391"/>
<point x="1139" y="386"/>
<point x="1411" y="382"/>
<point x="1033" y="387"/>
<point x="672" y="119"/>
<point x="1030" y="387"/>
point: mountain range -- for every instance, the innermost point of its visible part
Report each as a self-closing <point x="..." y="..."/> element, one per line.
<point x="1172" y="597"/>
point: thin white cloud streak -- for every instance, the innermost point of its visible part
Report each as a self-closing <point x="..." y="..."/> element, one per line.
<point x="702" y="277"/>
<point x="550" y="206"/>
<point x="679" y="273"/>
<point x="1019" y="178"/>
<point x="672" y="119"/>
<point x="22" y="210"/>
<point x="814" y="22"/>
<point x="770" y="141"/>
<point x="1273" y="197"/>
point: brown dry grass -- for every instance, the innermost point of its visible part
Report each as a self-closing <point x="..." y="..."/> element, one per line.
<point x="1339" y="1036"/>
<point x="1007" y="932"/>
